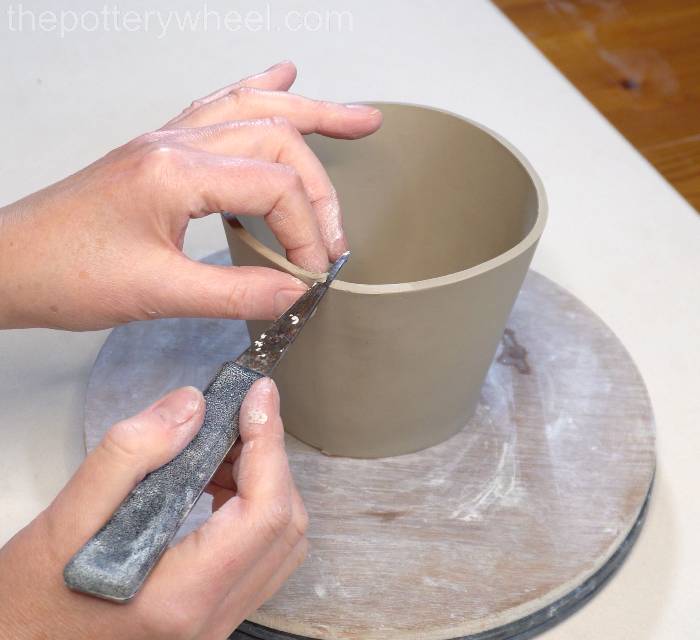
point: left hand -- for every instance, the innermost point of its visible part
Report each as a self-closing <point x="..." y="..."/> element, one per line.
<point x="203" y="586"/>
<point x="104" y="246"/>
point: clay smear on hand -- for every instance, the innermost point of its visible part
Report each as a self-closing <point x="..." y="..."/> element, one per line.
<point x="255" y="416"/>
<point x="331" y="223"/>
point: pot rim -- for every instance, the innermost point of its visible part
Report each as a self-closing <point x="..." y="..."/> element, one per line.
<point x="516" y="250"/>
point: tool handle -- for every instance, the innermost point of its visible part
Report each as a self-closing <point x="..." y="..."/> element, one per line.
<point x="115" y="562"/>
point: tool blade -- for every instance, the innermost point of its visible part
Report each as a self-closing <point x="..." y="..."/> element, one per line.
<point x="267" y="350"/>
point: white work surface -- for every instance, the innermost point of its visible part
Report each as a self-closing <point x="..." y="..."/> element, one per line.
<point x="619" y="237"/>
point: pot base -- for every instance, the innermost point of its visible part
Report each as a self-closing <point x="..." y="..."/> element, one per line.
<point x="496" y="533"/>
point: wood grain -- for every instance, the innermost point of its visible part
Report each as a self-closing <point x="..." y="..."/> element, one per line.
<point x="638" y="62"/>
<point x="516" y="511"/>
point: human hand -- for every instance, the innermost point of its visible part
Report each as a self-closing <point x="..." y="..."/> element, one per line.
<point x="103" y="247"/>
<point x="206" y="584"/>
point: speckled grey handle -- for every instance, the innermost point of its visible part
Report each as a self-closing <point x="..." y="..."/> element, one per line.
<point x="115" y="562"/>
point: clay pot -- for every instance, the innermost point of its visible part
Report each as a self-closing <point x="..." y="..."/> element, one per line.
<point x="443" y="217"/>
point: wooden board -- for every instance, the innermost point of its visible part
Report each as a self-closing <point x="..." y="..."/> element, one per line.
<point x="497" y="531"/>
<point x="638" y="63"/>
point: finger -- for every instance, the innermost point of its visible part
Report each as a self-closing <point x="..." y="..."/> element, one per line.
<point x="235" y="467"/>
<point x="262" y="467"/>
<point x="332" y="119"/>
<point x="278" y="77"/>
<point x="220" y="496"/>
<point x="289" y="565"/>
<point x="266" y="575"/>
<point x="277" y="140"/>
<point x="223" y="477"/>
<point x="234" y="452"/>
<point x="257" y="587"/>
<point x="186" y="288"/>
<point x="130" y="449"/>
<point x="206" y="183"/>
<point x="223" y="486"/>
<point x="246" y="526"/>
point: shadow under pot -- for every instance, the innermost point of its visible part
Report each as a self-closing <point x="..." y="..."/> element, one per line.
<point x="443" y="217"/>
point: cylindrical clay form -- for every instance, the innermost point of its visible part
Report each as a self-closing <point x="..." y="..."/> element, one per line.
<point x="442" y="217"/>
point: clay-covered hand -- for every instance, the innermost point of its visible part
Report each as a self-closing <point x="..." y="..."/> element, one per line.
<point x="206" y="584"/>
<point x="103" y="246"/>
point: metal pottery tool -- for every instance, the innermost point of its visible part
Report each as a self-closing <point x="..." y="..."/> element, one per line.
<point x="115" y="562"/>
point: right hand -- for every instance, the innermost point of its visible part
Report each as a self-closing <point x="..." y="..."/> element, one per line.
<point x="202" y="587"/>
<point x="104" y="246"/>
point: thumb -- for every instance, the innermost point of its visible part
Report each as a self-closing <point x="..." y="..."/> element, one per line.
<point x="187" y="288"/>
<point x="131" y="448"/>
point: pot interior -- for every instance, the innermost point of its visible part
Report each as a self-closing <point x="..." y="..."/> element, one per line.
<point x="428" y="195"/>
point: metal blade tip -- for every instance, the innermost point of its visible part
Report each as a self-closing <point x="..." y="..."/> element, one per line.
<point x="336" y="267"/>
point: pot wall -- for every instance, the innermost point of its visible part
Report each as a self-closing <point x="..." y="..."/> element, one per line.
<point x="382" y="371"/>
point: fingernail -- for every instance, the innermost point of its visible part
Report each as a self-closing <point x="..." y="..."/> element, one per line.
<point x="338" y="247"/>
<point x="278" y="64"/>
<point x="264" y="385"/>
<point x="179" y="406"/>
<point x="284" y="299"/>
<point x="369" y="110"/>
<point x="256" y="405"/>
<point x="318" y="263"/>
<point x="262" y="390"/>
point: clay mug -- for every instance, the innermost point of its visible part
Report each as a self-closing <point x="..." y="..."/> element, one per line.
<point x="443" y="217"/>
